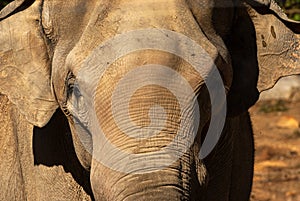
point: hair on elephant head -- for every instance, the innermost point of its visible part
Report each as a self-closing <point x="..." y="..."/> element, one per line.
<point x="156" y="93"/>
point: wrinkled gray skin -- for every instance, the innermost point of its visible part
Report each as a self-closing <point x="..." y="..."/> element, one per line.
<point x="43" y="45"/>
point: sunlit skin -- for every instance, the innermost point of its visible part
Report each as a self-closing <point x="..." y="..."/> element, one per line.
<point x="136" y="100"/>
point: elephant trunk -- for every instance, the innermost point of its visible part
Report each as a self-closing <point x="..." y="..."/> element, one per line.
<point x="168" y="184"/>
<point x="147" y="119"/>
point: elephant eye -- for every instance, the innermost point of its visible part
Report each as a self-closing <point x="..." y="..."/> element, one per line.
<point x="73" y="90"/>
<point x="70" y="82"/>
<point x="74" y="96"/>
<point x="75" y="105"/>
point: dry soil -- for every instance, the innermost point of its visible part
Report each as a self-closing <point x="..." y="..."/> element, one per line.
<point x="277" y="161"/>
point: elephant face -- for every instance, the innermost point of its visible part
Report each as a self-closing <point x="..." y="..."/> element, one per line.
<point x="134" y="78"/>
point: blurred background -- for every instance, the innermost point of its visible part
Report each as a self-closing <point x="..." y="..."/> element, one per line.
<point x="291" y="8"/>
<point x="275" y="120"/>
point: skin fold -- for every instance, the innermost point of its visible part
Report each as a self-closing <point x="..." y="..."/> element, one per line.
<point x="58" y="94"/>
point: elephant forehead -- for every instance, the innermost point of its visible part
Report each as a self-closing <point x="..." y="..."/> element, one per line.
<point x="112" y="60"/>
<point x="162" y="61"/>
<point x="110" y="20"/>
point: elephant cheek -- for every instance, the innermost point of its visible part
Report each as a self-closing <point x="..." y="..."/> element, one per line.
<point x="83" y="146"/>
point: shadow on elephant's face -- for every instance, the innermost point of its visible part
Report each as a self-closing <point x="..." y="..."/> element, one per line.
<point x="53" y="146"/>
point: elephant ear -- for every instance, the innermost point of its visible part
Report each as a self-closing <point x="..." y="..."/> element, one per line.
<point x="24" y="62"/>
<point x="264" y="46"/>
<point x="278" y="42"/>
<point x="14" y="7"/>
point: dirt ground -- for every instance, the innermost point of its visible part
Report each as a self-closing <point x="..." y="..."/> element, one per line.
<point x="277" y="162"/>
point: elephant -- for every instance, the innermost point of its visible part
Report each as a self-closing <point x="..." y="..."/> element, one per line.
<point x="136" y="100"/>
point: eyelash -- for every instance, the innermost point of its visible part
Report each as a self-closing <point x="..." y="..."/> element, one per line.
<point x="69" y="83"/>
<point x="73" y="93"/>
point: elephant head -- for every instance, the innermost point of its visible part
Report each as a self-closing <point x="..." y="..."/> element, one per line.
<point x="134" y="77"/>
